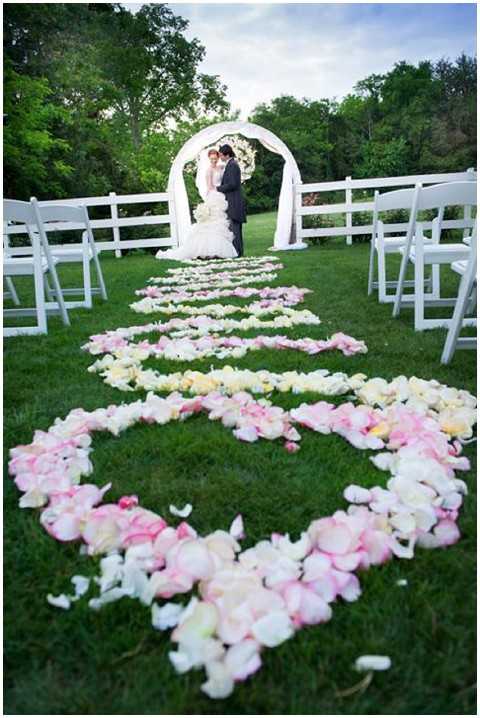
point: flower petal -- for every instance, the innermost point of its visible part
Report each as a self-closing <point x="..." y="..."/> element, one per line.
<point x="61" y="601"/>
<point x="183" y="513"/>
<point x="373" y="663"/>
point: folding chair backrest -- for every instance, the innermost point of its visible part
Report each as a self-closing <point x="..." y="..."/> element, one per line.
<point x="447" y="194"/>
<point x="60" y="212"/>
<point x="20" y="213"/>
<point x="16" y="211"/>
<point x="399" y="199"/>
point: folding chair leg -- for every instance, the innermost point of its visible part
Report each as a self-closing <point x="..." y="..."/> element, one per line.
<point x="435" y="281"/>
<point x="382" y="278"/>
<point x="371" y="267"/>
<point x="472" y="302"/>
<point x="87" y="281"/>
<point x="101" y="283"/>
<point x="49" y="293"/>
<point x="401" y="281"/>
<point x="419" y="295"/>
<point x="40" y="301"/>
<point x="12" y="290"/>
<point x="457" y="321"/>
<point x="58" y="293"/>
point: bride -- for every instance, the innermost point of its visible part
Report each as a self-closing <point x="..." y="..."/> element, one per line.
<point x="211" y="235"/>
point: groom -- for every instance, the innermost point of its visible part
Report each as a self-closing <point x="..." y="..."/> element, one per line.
<point x="232" y="189"/>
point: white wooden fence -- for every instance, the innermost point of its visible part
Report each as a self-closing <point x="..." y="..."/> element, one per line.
<point x="114" y="222"/>
<point x="349" y="207"/>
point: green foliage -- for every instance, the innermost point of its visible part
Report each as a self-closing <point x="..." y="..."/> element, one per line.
<point x="415" y="116"/>
<point x="151" y="70"/>
<point x="411" y="120"/>
<point x="384" y="159"/>
<point x="36" y="158"/>
<point x="123" y="87"/>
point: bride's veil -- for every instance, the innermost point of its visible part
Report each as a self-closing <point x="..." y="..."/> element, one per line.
<point x="201" y="178"/>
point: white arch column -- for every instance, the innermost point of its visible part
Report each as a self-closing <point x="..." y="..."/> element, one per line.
<point x="285" y="230"/>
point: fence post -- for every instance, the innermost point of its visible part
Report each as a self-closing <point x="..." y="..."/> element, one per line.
<point x="348" y="200"/>
<point x="115" y="228"/>
<point x="467" y="211"/>
<point x="293" y="224"/>
<point x="297" y="204"/>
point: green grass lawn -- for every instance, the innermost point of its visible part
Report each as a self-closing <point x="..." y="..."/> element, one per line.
<point x="111" y="662"/>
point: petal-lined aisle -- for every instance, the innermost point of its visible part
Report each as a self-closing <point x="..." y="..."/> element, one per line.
<point x="247" y="599"/>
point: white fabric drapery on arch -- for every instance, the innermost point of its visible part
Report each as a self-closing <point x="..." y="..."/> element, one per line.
<point x="285" y="231"/>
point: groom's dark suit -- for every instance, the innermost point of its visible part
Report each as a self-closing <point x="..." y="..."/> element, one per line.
<point x="232" y="189"/>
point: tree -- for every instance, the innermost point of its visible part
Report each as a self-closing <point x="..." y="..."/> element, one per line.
<point x="34" y="157"/>
<point x="384" y="159"/>
<point x="152" y="71"/>
<point x="370" y="90"/>
<point x="306" y="127"/>
<point x="121" y="84"/>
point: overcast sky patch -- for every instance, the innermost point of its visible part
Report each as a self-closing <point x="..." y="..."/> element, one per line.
<point x="261" y="51"/>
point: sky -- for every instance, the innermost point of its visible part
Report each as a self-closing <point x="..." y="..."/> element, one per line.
<point x="320" y="50"/>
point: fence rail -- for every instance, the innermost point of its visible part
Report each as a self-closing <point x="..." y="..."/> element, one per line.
<point x="349" y="207"/>
<point x="114" y="222"/>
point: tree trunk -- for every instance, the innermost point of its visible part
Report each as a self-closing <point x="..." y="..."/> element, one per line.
<point x="135" y="130"/>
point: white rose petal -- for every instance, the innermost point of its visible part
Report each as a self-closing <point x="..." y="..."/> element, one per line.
<point x="237" y="529"/>
<point x="166" y="616"/>
<point x="61" y="601"/>
<point x="220" y="682"/>
<point x="81" y="584"/>
<point x="114" y="594"/>
<point x="273" y="629"/>
<point x="373" y="663"/>
<point x="357" y="494"/>
<point x="180" y="661"/>
<point x="183" y="513"/>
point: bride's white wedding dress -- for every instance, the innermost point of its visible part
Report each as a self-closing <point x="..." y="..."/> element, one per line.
<point x="211" y="235"/>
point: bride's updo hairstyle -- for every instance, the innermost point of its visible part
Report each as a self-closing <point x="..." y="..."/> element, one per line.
<point x="213" y="152"/>
<point x="226" y="150"/>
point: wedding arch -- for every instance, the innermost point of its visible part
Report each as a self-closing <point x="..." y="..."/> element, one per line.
<point x="285" y="230"/>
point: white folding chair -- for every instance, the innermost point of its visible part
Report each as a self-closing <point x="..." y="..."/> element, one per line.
<point x="49" y="216"/>
<point x="466" y="302"/>
<point x="420" y="253"/>
<point x="38" y="262"/>
<point x="381" y="244"/>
